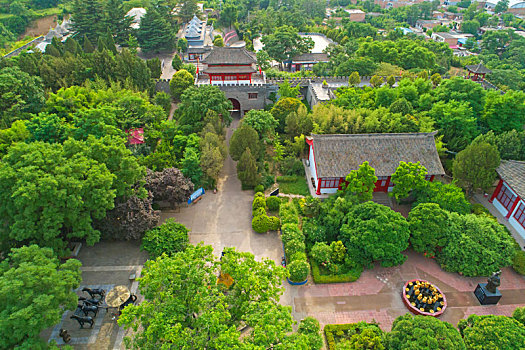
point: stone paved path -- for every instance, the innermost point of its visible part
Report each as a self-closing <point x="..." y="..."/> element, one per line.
<point x="377" y="294"/>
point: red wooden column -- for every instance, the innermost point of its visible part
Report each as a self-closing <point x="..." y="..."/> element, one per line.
<point x="318" y="186"/>
<point x="496" y="191"/>
<point x="431" y="178"/>
<point x="511" y="210"/>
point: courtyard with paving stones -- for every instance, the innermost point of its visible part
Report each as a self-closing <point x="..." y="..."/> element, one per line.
<point x="223" y="219"/>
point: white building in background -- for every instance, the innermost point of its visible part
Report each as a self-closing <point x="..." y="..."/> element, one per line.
<point x="137" y="13"/>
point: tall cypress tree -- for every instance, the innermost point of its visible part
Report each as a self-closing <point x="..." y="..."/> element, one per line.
<point x="88" y="46"/>
<point x="155" y="33"/>
<point x="87" y="18"/>
<point x="188" y="9"/>
<point x="116" y="21"/>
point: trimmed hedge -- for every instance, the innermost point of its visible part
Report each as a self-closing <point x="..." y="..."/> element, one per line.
<point x="288" y="214"/>
<point x="273" y="203"/>
<point x="261" y="223"/>
<point x="331" y="330"/>
<point x="259" y="202"/>
<point x="258" y="211"/>
<point x="350" y="276"/>
<point x="275" y="223"/>
<point x="259" y="188"/>
<point x="299" y="270"/>
<point x="518" y="263"/>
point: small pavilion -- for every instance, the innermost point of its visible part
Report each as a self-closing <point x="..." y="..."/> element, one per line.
<point x="477" y="72"/>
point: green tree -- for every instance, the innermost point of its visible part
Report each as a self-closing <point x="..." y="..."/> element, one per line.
<point x="282" y="109"/>
<point x="369" y="338"/>
<point x="501" y="6"/>
<point x="168" y="238"/>
<point x="190" y="165"/>
<point x="228" y="15"/>
<point x="420" y="332"/>
<point x="391" y="80"/>
<point x="48" y="128"/>
<point x="406" y="178"/>
<point x="87" y="18"/>
<point x="218" y="41"/>
<point x="185" y="287"/>
<point x="195" y="103"/>
<point x="180" y="81"/>
<point x="36" y="290"/>
<point x="285" y="43"/>
<point x="470" y="27"/>
<point x="286" y="90"/>
<point x="504" y="112"/>
<point x="264" y="61"/>
<point x="155" y="33"/>
<point x="430" y="228"/>
<point x="261" y="121"/>
<point x="448" y="196"/>
<point x="519" y="315"/>
<point x="182" y="45"/>
<point x="59" y="192"/>
<point x="247" y="170"/>
<point x="464" y="90"/>
<point x="176" y="63"/>
<point x="362" y="182"/>
<point x="188" y="9"/>
<point x="482" y="247"/>
<point x="213" y="152"/>
<point x="242" y="138"/>
<point x="436" y="79"/>
<point x="456" y="123"/>
<point x="16" y="133"/>
<point x="299" y="122"/>
<point x="374" y="232"/>
<point x="353" y="79"/>
<point x="116" y="21"/>
<point x="492" y="332"/>
<point x="401" y="105"/>
<point x="475" y="167"/>
<point x="376" y="81"/>
<point x="20" y="94"/>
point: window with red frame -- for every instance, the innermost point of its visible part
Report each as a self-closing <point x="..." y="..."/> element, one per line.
<point x="216" y="77"/>
<point x="519" y="215"/>
<point x="506" y="197"/>
<point x="244" y="77"/>
<point x="330" y="182"/>
<point x="230" y="77"/>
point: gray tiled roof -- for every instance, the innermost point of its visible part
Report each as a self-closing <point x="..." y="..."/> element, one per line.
<point x="513" y="173"/>
<point x="230" y="55"/>
<point x="311" y="57"/>
<point x="337" y="155"/>
<point x="240" y="70"/>
<point x="478" y="68"/>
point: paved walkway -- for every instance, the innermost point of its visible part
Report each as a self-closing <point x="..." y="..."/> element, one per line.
<point x="377" y="294"/>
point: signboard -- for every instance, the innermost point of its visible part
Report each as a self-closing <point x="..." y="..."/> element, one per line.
<point x="196" y="195"/>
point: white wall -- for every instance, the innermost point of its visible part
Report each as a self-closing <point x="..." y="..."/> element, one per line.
<point x="229" y="82"/>
<point x="312" y="166"/>
<point x="498" y="205"/>
<point x="516" y="224"/>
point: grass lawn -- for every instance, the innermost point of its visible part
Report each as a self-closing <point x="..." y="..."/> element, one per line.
<point x="293" y="185"/>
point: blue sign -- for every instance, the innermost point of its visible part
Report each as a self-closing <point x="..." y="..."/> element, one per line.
<point x="196" y="195"/>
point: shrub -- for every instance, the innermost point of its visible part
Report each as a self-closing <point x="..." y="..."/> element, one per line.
<point x="353" y="332"/>
<point x="258" y="211"/>
<point x="258" y="195"/>
<point x="338" y="251"/>
<point x="297" y="256"/>
<point x="351" y="275"/>
<point x="273" y="203"/>
<point x="258" y="202"/>
<point x="311" y="206"/>
<point x="292" y="166"/>
<point x="321" y="252"/>
<point x="299" y="270"/>
<point x="518" y="263"/>
<point x="275" y="223"/>
<point x="294" y="246"/>
<point x="519" y="315"/>
<point x="170" y="238"/>
<point x="492" y="332"/>
<point x="449" y="197"/>
<point x="313" y="232"/>
<point x="291" y="232"/>
<point x="482" y="247"/>
<point x="310" y="327"/>
<point x="259" y="188"/>
<point x="288" y="213"/>
<point x="422" y="332"/>
<point x="261" y="223"/>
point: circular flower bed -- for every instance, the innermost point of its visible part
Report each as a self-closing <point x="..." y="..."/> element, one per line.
<point x="423" y="298"/>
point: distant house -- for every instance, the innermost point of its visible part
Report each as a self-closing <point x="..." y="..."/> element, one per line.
<point x="306" y="61"/>
<point x="229" y="65"/>
<point x="332" y="157"/>
<point x="356" y="15"/>
<point x="427" y="23"/>
<point x="451" y="38"/>
<point x="509" y="195"/>
<point x="477" y="72"/>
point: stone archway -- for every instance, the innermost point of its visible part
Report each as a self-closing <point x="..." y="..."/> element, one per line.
<point x="236" y="110"/>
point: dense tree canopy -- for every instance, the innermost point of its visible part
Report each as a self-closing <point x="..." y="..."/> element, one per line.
<point x="362" y="182"/>
<point x="491" y="331"/>
<point x="242" y="138"/>
<point x="374" y="232"/>
<point x="185" y="306"/>
<point x="482" y="247"/>
<point x="475" y="167"/>
<point x="421" y="332"/>
<point x="36" y="290"/>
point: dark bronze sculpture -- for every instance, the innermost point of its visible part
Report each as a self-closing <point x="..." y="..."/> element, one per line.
<point x="493" y="282"/>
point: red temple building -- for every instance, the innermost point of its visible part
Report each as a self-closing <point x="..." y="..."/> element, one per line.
<point x="332" y="157"/>
<point x="229" y="65"/>
<point x="509" y="195"/>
